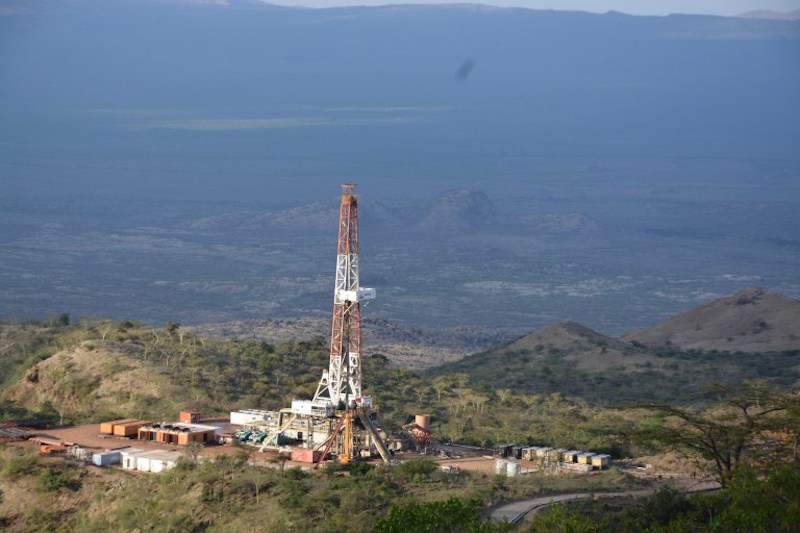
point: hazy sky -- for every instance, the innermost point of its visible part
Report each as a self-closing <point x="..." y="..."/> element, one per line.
<point x="637" y="7"/>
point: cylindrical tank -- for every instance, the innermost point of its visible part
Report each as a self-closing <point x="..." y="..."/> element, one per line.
<point x="423" y="421"/>
<point x="500" y="467"/>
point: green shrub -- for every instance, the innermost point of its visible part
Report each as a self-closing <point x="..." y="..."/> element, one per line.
<point x="19" y="464"/>
<point x="52" y="480"/>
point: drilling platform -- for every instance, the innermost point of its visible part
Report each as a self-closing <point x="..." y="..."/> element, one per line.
<point x="338" y="419"/>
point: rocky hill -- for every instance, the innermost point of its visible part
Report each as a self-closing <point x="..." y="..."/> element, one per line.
<point x="95" y="378"/>
<point x="752" y="320"/>
<point x="747" y="336"/>
<point x="102" y="369"/>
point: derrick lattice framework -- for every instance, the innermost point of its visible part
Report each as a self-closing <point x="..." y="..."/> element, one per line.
<point x="341" y="384"/>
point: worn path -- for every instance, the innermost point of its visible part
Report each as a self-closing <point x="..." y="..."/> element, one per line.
<point x="514" y="512"/>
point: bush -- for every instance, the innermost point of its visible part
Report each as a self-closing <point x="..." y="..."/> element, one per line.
<point x="52" y="480"/>
<point x="439" y="517"/>
<point x="24" y="463"/>
<point x="420" y="468"/>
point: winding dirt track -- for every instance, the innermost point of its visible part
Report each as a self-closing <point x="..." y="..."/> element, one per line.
<point x="515" y="512"/>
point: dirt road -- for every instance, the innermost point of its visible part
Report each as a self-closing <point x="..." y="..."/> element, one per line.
<point x="515" y="512"/>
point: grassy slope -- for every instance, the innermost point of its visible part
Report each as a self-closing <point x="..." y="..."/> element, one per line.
<point x="575" y="361"/>
<point x="231" y="495"/>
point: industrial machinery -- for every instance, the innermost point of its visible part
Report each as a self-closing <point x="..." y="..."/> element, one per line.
<point x="339" y="417"/>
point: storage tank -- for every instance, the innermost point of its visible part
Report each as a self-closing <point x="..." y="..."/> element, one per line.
<point x="423" y="421"/>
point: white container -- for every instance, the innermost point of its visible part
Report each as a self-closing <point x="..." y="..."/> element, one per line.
<point x="128" y="457"/>
<point x="106" y="458"/>
<point x="309" y="408"/>
<point x="513" y="469"/>
<point x="501" y="467"/>
<point x="248" y="416"/>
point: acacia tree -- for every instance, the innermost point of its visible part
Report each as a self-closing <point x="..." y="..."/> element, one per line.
<point x="744" y="423"/>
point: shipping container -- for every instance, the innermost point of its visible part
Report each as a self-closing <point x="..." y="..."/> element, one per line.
<point x="248" y="416"/>
<point x="107" y="428"/>
<point x="189" y="417"/>
<point x="303" y="455"/>
<point x="107" y="458"/>
<point x="129" y="429"/>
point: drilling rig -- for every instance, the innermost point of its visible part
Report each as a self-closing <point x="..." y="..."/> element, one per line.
<point x="339" y="417"/>
<point x="341" y="384"/>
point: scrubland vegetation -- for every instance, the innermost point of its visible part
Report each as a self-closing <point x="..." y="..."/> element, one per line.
<point x="743" y="435"/>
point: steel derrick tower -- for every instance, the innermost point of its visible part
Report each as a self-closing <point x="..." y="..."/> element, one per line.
<point x="341" y="383"/>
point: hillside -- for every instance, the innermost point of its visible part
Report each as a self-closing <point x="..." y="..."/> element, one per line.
<point x="101" y="369"/>
<point x="96" y="373"/>
<point x="752" y="320"/>
<point x="747" y="336"/>
<point x="402" y="344"/>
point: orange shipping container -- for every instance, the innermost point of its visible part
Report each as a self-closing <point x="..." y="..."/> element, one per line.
<point x="108" y="427"/>
<point x="130" y="429"/>
<point x="189" y="417"/>
<point x="306" y="456"/>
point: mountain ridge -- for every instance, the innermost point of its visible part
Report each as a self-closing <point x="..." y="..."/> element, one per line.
<point x="752" y="319"/>
<point x="655" y="364"/>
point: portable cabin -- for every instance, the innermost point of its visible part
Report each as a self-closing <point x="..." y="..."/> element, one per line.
<point x="128" y="457"/>
<point x="503" y="450"/>
<point x="542" y="452"/>
<point x="556" y="454"/>
<point x="570" y="456"/>
<point x="585" y="458"/>
<point x="158" y="461"/>
<point x="178" y="433"/>
<point x="107" y="458"/>
<point x="601" y="461"/>
<point x="529" y="453"/>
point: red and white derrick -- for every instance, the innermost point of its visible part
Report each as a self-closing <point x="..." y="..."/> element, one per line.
<point x="341" y="383"/>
